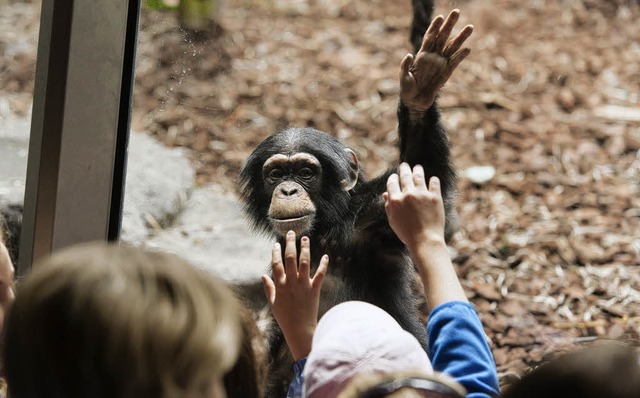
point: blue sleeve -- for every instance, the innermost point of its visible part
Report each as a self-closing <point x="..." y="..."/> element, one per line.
<point x="458" y="348"/>
<point x="295" y="388"/>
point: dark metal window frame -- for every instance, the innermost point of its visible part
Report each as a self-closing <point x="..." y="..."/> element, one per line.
<point x="80" y="125"/>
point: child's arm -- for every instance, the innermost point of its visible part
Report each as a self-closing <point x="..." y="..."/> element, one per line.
<point x="416" y="214"/>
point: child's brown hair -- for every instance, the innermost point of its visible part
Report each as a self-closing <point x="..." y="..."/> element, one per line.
<point x="117" y="321"/>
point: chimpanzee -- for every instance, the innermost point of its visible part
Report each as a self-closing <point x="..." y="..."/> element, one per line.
<point x="305" y="180"/>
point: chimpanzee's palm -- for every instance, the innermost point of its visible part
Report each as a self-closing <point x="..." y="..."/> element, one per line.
<point x="423" y="75"/>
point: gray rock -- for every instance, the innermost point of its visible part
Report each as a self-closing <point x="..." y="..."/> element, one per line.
<point x="14" y="145"/>
<point x="205" y="226"/>
<point x="161" y="208"/>
<point x="212" y="234"/>
<point x="159" y="182"/>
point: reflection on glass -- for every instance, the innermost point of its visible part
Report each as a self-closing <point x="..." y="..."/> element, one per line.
<point x="19" y="22"/>
<point x="179" y="192"/>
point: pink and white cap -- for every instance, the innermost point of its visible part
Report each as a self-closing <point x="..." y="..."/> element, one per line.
<point x="355" y="338"/>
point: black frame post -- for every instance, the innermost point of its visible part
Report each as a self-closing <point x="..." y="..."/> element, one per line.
<point x="80" y="125"/>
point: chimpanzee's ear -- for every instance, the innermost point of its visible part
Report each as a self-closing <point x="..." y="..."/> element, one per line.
<point x="352" y="179"/>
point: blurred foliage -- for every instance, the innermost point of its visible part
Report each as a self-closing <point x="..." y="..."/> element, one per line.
<point x="197" y="14"/>
<point x="194" y="14"/>
<point x="161" y="5"/>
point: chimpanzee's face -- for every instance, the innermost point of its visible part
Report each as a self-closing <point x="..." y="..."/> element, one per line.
<point x="292" y="181"/>
<point x="299" y="180"/>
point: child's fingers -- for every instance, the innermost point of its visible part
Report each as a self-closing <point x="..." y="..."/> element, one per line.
<point x="434" y="186"/>
<point x="406" y="177"/>
<point x="290" y="256"/>
<point x="305" y="259"/>
<point x="269" y="289"/>
<point x="393" y="187"/>
<point x="418" y="177"/>
<point x="276" y="264"/>
<point x="321" y="272"/>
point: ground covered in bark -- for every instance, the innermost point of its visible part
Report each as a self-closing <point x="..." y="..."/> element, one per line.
<point x="544" y="120"/>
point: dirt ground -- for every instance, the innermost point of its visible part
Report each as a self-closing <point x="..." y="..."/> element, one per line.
<point x="549" y="247"/>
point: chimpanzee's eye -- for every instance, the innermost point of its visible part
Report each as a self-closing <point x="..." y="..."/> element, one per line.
<point x="305" y="173"/>
<point x="276" y="174"/>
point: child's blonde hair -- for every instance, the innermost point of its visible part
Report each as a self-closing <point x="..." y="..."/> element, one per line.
<point x="116" y="321"/>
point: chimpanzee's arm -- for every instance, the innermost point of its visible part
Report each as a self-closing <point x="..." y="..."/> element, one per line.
<point x="422" y="137"/>
<point x="423" y="141"/>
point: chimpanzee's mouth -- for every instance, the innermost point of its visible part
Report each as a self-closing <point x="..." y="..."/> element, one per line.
<point x="289" y="219"/>
<point x="298" y="224"/>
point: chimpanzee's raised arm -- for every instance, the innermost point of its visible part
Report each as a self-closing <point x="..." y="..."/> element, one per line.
<point x="423" y="139"/>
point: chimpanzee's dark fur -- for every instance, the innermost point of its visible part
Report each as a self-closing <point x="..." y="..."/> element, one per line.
<point x="422" y="11"/>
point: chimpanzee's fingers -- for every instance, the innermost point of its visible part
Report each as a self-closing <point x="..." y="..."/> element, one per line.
<point x="418" y="177"/>
<point x="305" y="259"/>
<point x="434" y="186"/>
<point x="269" y="289"/>
<point x="393" y="187"/>
<point x="406" y="177"/>
<point x="405" y="65"/>
<point x="445" y="31"/>
<point x="291" y="256"/>
<point x="454" y="44"/>
<point x="429" y="39"/>
<point x="276" y="264"/>
<point x="456" y="58"/>
<point x="318" y="278"/>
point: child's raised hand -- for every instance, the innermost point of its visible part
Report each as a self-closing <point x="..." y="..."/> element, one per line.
<point x="415" y="211"/>
<point x="293" y="295"/>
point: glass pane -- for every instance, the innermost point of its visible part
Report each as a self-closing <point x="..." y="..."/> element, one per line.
<point x="543" y="119"/>
<point x="19" y="22"/>
<point x="183" y="153"/>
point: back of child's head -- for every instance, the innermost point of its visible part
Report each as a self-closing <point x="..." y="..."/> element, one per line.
<point x="610" y="370"/>
<point x="116" y="321"/>
<point x="247" y="377"/>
